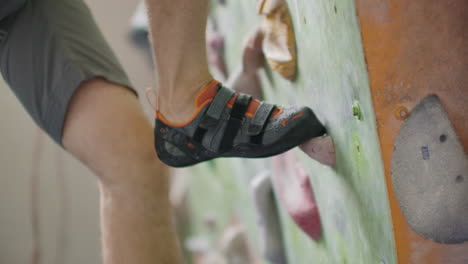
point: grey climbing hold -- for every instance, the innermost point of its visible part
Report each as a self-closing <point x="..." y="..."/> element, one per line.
<point x="268" y="222"/>
<point x="428" y="170"/>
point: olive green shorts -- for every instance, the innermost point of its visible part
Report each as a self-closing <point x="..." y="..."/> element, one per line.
<point x="47" y="49"/>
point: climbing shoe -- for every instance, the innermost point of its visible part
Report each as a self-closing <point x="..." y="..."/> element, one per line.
<point x="229" y="124"/>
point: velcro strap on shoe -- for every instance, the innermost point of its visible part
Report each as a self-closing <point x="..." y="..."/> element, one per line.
<point x="260" y="119"/>
<point x="219" y="102"/>
<point x="235" y="121"/>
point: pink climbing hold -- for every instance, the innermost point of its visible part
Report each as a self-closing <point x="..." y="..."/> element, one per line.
<point x="215" y="48"/>
<point x="320" y="149"/>
<point x="294" y="190"/>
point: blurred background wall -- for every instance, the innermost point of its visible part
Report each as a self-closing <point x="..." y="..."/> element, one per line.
<point x="67" y="197"/>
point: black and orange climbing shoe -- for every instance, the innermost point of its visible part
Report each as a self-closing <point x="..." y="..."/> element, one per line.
<point x="229" y="124"/>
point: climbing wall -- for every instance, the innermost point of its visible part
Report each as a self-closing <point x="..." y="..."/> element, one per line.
<point x="415" y="49"/>
<point x="332" y="79"/>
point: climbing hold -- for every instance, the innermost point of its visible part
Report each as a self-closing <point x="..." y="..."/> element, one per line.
<point x="233" y="245"/>
<point x="293" y="188"/>
<point x="215" y="48"/>
<point x="357" y="110"/>
<point x="428" y="169"/>
<point x="246" y="79"/>
<point x="271" y="241"/>
<point x="320" y="149"/>
<point x="268" y="6"/>
<point x="202" y="251"/>
<point x="279" y="45"/>
<point x="197" y="244"/>
<point x="139" y="31"/>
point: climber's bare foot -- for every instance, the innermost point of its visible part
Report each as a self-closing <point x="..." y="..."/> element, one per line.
<point x="321" y="149"/>
<point x="246" y="80"/>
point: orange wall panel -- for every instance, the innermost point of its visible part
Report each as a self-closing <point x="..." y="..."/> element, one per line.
<point x="414" y="48"/>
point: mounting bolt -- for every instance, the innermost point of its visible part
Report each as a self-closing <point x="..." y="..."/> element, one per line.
<point x="401" y="113"/>
<point x="357" y="110"/>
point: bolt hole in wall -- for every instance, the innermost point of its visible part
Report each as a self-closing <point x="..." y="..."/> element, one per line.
<point x="459" y="179"/>
<point x="401" y="113"/>
<point x="443" y="138"/>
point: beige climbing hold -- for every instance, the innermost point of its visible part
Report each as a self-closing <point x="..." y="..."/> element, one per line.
<point x="234" y="246"/>
<point x="279" y="45"/>
<point x="268" y="6"/>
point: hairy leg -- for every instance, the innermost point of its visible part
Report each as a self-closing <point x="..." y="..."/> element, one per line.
<point x="177" y="30"/>
<point x="106" y="129"/>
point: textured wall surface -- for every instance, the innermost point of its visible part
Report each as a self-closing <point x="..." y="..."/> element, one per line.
<point x="352" y="198"/>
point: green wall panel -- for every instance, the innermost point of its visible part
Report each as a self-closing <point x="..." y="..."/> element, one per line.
<point x="332" y="78"/>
